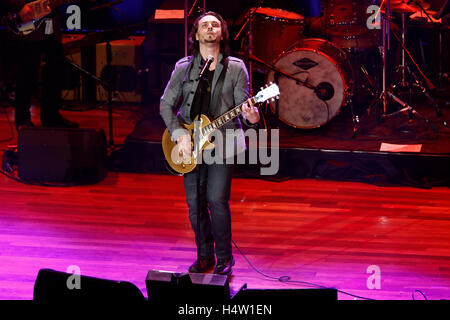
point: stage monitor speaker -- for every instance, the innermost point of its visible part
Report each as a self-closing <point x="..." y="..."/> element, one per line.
<point x="57" y="155"/>
<point x="51" y="285"/>
<point x="267" y="295"/>
<point x="285" y="302"/>
<point x="165" y="288"/>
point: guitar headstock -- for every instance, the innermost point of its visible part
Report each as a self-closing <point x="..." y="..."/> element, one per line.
<point x="270" y="91"/>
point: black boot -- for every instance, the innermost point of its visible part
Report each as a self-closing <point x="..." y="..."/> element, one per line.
<point x="224" y="266"/>
<point x="202" y="265"/>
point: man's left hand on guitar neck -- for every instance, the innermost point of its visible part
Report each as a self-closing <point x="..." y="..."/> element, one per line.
<point x="250" y="113"/>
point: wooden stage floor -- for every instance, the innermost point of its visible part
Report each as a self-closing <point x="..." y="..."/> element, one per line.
<point x="328" y="233"/>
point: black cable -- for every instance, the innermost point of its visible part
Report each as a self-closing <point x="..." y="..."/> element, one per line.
<point x="417" y="290"/>
<point x="287" y="279"/>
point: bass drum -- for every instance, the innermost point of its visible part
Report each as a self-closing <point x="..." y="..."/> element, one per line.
<point x="321" y="64"/>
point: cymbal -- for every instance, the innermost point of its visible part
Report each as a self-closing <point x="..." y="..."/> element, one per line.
<point x="404" y="6"/>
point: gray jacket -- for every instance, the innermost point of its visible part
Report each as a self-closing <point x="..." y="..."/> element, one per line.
<point x="183" y="85"/>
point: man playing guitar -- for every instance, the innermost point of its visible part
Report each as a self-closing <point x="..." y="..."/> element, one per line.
<point x="209" y="211"/>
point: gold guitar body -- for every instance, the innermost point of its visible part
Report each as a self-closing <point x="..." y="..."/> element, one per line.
<point x="172" y="154"/>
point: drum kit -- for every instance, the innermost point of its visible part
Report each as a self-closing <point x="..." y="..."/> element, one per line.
<point x="319" y="76"/>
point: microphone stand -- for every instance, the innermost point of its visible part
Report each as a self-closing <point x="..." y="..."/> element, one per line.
<point x="276" y="70"/>
<point x="108" y="86"/>
<point x="324" y="90"/>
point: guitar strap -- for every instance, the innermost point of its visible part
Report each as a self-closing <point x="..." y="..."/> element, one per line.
<point x="219" y="85"/>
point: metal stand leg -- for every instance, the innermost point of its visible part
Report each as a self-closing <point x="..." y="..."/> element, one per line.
<point x="386" y="93"/>
<point x="416" y="82"/>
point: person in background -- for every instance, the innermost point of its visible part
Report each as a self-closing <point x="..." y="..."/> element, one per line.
<point x="47" y="40"/>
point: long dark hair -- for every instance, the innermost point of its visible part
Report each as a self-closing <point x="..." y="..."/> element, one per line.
<point x="194" y="44"/>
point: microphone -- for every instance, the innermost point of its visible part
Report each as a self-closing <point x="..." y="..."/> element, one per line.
<point x="209" y="60"/>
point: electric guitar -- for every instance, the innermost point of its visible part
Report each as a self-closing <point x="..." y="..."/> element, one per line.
<point x="203" y="134"/>
<point x="32" y="30"/>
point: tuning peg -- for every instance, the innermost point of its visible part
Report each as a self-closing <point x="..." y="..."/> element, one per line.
<point x="271" y="83"/>
<point x="277" y="97"/>
<point x="272" y="100"/>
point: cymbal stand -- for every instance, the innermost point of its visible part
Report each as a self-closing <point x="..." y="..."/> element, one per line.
<point x="405" y="68"/>
<point x="417" y="83"/>
<point x="386" y="93"/>
<point x="402" y="67"/>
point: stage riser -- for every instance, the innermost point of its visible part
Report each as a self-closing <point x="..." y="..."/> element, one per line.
<point x="377" y="168"/>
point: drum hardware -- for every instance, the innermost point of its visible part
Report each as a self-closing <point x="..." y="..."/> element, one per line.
<point x="443" y="10"/>
<point x="386" y="93"/>
<point x="319" y="91"/>
<point x="438" y="15"/>
<point x="364" y="88"/>
<point x="269" y="31"/>
<point x="414" y="80"/>
<point x="349" y="101"/>
<point x="346" y="24"/>
<point x="249" y="21"/>
<point x="402" y="67"/>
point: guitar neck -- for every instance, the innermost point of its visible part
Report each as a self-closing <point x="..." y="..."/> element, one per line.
<point x="225" y="118"/>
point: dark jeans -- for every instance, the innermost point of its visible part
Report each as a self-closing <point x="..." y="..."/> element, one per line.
<point x="215" y="215"/>
<point x="29" y="60"/>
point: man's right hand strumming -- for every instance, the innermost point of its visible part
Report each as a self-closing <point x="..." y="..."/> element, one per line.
<point x="185" y="146"/>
